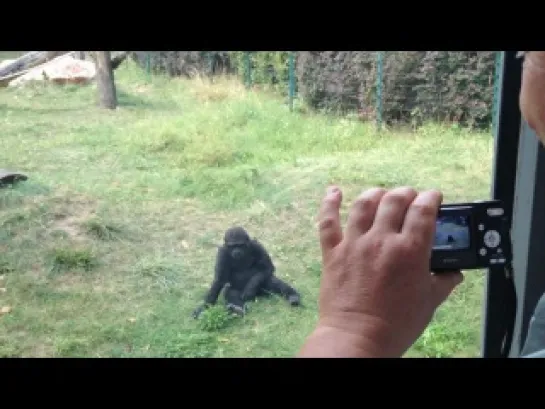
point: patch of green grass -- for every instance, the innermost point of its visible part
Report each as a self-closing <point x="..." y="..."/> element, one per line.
<point x="215" y="319"/>
<point x="161" y="274"/>
<point x="141" y="196"/>
<point x="455" y="334"/>
<point x="102" y="231"/>
<point x="66" y="259"/>
<point x="5" y="266"/>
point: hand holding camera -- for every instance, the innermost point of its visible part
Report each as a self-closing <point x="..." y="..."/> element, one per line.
<point x="391" y="242"/>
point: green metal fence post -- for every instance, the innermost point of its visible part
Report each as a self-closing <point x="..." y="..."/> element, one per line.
<point x="291" y="72"/>
<point x="379" y="84"/>
<point x="148" y="65"/>
<point x="495" y="102"/>
<point x="247" y="69"/>
<point x="210" y="60"/>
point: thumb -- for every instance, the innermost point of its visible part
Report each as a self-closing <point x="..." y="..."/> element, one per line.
<point x="444" y="283"/>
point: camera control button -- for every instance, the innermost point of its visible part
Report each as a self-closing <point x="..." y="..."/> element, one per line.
<point x="492" y="239"/>
<point x="481" y="227"/>
<point x="498" y="211"/>
<point x="482" y="252"/>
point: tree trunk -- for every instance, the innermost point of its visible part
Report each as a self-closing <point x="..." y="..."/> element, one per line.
<point x="28" y="60"/>
<point x="107" y="97"/>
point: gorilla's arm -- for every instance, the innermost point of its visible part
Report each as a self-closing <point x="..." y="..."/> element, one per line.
<point x="221" y="277"/>
<point x="263" y="267"/>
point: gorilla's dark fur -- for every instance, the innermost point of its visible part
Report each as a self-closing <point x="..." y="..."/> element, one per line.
<point x="246" y="268"/>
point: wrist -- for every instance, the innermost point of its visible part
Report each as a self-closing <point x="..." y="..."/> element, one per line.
<point x="332" y="342"/>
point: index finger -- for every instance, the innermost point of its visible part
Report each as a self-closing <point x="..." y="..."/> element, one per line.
<point x="329" y="223"/>
<point x="420" y="220"/>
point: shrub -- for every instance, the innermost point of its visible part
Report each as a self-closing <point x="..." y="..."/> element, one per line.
<point x="184" y="63"/>
<point x="417" y="86"/>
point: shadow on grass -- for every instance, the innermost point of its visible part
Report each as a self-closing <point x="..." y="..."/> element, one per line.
<point x="41" y="111"/>
<point x="126" y="99"/>
<point x="26" y="188"/>
<point x="14" y="195"/>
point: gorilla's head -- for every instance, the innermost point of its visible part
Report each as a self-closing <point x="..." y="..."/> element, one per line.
<point x="236" y="241"/>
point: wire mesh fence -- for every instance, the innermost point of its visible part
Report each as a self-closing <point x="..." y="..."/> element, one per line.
<point x="388" y="87"/>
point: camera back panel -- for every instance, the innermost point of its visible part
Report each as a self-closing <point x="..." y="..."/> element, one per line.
<point x="471" y="236"/>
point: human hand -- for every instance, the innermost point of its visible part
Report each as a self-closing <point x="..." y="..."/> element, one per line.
<point x="377" y="293"/>
<point x="532" y="95"/>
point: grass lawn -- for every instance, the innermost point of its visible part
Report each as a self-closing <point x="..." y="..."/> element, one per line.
<point x="110" y="244"/>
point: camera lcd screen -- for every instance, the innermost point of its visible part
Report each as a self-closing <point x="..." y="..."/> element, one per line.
<point x="452" y="232"/>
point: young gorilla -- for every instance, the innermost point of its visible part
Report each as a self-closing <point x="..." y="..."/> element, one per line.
<point x="246" y="268"/>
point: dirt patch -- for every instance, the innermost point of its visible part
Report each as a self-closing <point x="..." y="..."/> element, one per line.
<point x="71" y="225"/>
<point x="70" y="215"/>
<point x="186" y="218"/>
<point x="67" y="282"/>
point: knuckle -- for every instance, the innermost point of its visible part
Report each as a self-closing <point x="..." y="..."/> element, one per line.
<point x="407" y="247"/>
<point x="373" y="247"/>
<point x="327" y="222"/>
<point x="362" y="205"/>
<point x="329" y="204"/>
<point x="410" y="248"/>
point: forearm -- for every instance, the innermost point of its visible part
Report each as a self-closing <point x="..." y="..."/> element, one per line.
<point x="214" y="293"/>
<point x="329" y="342"/>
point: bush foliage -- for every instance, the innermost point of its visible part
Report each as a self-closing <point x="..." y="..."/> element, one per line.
<point x="417" y="86"/>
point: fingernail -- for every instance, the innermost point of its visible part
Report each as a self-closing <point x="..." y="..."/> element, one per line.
<point x="372" y="190"/>
<point x="331" y="190"/>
